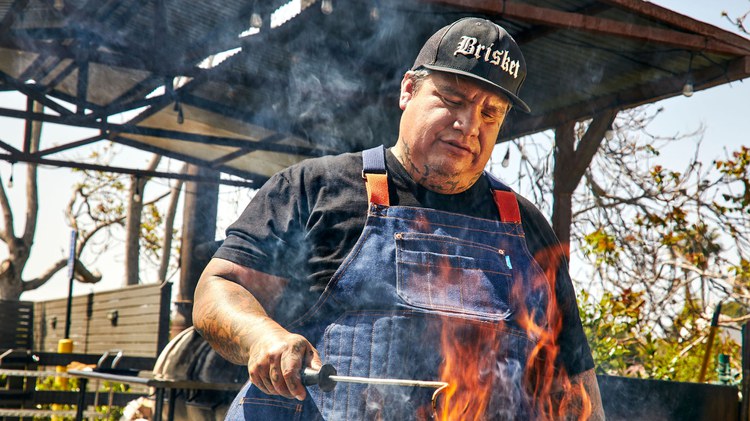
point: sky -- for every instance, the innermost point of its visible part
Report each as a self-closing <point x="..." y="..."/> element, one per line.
<point x="723" y="111"/>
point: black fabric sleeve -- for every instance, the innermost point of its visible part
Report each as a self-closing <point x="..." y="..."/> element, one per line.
<point x="269" y="230"/>
<point x="575" y="354"/>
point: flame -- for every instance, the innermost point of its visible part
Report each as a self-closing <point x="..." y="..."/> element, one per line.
<point x="483" y="386"/>
<point x="468" y="369"/>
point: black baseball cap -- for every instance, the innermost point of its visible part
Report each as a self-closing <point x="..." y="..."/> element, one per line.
<point x="479" y="49"/>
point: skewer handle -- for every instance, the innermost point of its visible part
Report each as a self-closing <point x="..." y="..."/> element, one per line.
<point x="320" y="377"/>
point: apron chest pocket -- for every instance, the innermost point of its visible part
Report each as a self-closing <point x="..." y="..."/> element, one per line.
<point x="438" y="272"/>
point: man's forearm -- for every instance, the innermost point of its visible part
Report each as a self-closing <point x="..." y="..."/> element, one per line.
<point x="591" y="385"/>
<point x="228" y="317"/>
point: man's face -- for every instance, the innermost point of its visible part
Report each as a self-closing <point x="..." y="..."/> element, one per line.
<point x="448" y="130"/>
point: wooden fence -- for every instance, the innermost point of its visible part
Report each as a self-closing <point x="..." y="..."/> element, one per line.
<point x="134" y="320"/>
<point x="16" y="324"/>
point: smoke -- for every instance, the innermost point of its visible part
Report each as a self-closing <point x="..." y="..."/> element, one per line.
<point x="508" y="396"/>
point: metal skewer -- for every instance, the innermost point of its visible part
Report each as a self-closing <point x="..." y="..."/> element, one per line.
<point x="326" y="378"/>
<point x="389" y="382"/>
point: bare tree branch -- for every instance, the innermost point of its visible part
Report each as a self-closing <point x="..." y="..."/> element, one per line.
<point x="32" y="199"/>
<point x="7" y="232"/>
<point x="82" y="274"/>
<point x="166" y="248"/>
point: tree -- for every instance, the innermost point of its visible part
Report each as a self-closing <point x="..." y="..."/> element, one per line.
<point x="133" y="223"/>
<point x="673" y="241"/>
<point x="102" y="203"/>
<point x="738" y="21"/>
<point x="12" y="283"/>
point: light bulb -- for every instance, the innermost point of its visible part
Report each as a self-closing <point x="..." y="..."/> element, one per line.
<point x="506" y="159"/>
<point x="326" y="6"/>
<point x="687" y="90"/>
<point x="59" y="5"/>
<point x="609" y="134"/>
<point x="374" y="13"/>
<point x="256" y="21"/>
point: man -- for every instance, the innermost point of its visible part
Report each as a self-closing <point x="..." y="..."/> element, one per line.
<point x="370" y="274"/>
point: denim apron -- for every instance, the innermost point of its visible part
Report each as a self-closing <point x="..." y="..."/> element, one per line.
<point x="412" y="273"/>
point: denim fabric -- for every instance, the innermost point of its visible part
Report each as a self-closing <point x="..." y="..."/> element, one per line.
<point x="413" y="272"/>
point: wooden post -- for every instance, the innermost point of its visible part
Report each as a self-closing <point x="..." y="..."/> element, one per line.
<point x="198" y="227"/>
<point x="745" y="403"/>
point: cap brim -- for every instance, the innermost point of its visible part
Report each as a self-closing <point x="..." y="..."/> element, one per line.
<point x="513" y="98"/>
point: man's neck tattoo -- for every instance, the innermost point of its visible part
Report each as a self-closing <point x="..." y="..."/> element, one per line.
<point x="431" y="179"/>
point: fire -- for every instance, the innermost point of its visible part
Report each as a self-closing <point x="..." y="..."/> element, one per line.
<point x="470" y="370"/>
<point x="484" y="385"/>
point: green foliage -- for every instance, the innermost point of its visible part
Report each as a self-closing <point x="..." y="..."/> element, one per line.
<point x="108" y="413"/>
<point x="622" y="345"/>
<point x="601" y="245"/>
<point x="737" y="170"/>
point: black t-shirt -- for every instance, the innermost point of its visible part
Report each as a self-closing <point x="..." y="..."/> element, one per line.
<point x="304" y="221"/>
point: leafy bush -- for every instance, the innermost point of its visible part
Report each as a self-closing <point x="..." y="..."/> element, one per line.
<point x="623" y="346"/>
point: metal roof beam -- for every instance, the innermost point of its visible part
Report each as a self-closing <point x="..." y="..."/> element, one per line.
<point x="71" y="145"/>
<point x="111" y="129"/>
<point x="159" y="100"/>
<point x="215" y="140"/>
<point x="216" y="163"/>
<point x="256" y="178"/>
<point x="593" y="24"/>
<point x="9" y="148"/>
<point x="33" y="92"/>
<point x="23" y="157"/>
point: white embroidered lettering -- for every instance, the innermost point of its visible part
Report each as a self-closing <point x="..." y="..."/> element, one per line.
<point x="479" y="51"/>
<point x="487" y="53"/>
<point x="466" y="46"/>
<point x="470" y="47"/>
<point x="495" y="58"/>
<point x="506" y="61"/>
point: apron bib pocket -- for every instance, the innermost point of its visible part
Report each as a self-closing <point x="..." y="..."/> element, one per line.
<point x="438" y="272"/>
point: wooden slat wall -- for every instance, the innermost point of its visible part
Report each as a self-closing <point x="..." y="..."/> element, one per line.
<point x="142" y="327"/>
<point x="16" y="324"/>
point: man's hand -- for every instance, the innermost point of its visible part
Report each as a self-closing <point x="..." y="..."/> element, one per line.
<point x="231" y="312"/>
<point x="276" y="361"/>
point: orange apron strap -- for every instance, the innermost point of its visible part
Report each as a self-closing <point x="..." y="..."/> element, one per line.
<point x="507" y="204"/>
<point x="377" y="188"/>
<point x="376" y="175"/>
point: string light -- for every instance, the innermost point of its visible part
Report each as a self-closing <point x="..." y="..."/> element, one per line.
<point x="688" y="88"/>
<point x="137" y="190"/>
<point x="506" y="159"/>
<point x="609" y="134"/>
<point x="256" y="20"/>
<point x="180" y="115"/>
<point x="326" y="6"/>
